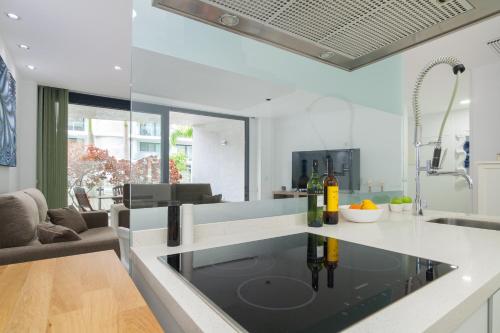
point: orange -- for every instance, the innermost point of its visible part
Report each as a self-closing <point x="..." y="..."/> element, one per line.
<point x="355" y="206"/>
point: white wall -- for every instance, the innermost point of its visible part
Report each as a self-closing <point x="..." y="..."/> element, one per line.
<point x="334" y="124"/>
<point x="485" y="116"/>
<point x="26" y="133"/>
<point x="24" y="174"/>
<point x="485" y="113"/>
<point x="266" y="146"/>
<point x="254" y="160"/>
<point x="223" y="166"/>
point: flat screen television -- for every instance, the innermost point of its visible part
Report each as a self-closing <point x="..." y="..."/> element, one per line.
<point x="346" y="167"/>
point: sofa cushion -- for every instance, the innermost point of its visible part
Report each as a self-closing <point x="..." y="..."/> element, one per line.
<point x="190" y="193"/>
<point x="50" y="233"/>
<point x="41" y="203"/>
<point x="101" y="239"/>
<point x="18" y="219"/>
<point x="69" y="218"/>
<point x="93" y="240"/>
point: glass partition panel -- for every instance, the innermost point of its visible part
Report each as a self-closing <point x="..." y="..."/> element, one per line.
<point x="237" y="118"/>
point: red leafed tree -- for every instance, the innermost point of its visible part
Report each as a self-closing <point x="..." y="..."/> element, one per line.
<point x="175" y="175"/>
<point x="146" y="170"/>
<point x="89" y="166"/>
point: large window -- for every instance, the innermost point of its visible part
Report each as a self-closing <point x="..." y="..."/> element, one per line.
<point x="150" y="147"/>
<point x="106" y="149"/>
<point x="109" y="146"/>
<point x="150" y="129"/>
<point x="77" y="124"/>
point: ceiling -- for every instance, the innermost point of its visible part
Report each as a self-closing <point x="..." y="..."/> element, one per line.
<point x="168" y="77"/>
<point x="73" y="44"/>
<point x="186" y="119"/>
<point x="76" y="44"/>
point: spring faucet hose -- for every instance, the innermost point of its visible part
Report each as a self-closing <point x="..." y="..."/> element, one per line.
<point x="452" y="61"/>
<point x="457" y="68"/>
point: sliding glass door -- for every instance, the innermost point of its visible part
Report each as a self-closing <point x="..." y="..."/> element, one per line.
<point x="109" y="146"/>
<point x="209" y="150"/>
<point x="202" y="148"/>
<point x="98" y="154"/>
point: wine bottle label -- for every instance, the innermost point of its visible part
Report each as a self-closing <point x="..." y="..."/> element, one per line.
<point x="320" y="251"/>
<point x="332" y="199"/>
<point x="332" y="249"/>
<point x="320" y="201"/>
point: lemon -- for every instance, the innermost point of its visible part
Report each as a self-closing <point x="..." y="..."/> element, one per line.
<point x="368" y="204"/>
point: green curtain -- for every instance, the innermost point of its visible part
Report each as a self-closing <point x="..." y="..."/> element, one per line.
<point x="52" y="145"/>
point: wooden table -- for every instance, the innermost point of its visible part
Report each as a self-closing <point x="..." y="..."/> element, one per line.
<point x="83" y="293"/>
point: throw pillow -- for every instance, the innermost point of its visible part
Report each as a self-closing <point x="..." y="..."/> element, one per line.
<point x="50" y="233"/>
<point x="40" y="201"/>
<point x="18" y="219"/>
<point x="211" y="199"/>
<point x="69" y="218"/>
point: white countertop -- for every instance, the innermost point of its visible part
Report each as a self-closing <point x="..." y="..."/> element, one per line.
<point x="438" y="307"/>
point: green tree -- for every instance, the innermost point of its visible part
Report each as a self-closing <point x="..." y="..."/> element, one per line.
<point x="185" y="132"/>
<point x="179" y="159"/>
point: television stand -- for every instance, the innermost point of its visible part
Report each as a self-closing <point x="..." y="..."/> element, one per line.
<point x="288" y="194"/>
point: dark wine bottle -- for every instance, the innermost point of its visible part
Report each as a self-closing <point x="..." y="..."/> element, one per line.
<point x="315" y="199"/>
<point x="315" y="258"/>
<point x="331" y="259"/>
<point x="331" y="196"/>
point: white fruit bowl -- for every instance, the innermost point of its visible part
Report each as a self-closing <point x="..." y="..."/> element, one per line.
<point x="360" y="215"/>
<point x="398" y="208"/>
<point x="407" y="206"/>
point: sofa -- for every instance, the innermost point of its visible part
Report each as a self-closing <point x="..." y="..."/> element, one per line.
<point x="21" y="211"/>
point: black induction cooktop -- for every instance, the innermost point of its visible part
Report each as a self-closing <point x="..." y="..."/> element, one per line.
<point x="302" y="282"/>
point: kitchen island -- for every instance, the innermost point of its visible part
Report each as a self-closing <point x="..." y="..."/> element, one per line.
<point x="455" y="302"/>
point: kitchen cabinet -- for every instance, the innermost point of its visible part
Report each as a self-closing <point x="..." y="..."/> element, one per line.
<point x="477" y="322"/>
<point x="488" y="188"/>
<point x="494" y="312"/>
<point x="486" y="319"/>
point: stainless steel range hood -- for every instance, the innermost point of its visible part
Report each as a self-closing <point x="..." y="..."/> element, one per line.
<point x="345" y="33"/>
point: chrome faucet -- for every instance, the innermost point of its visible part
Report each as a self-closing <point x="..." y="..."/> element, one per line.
<point x="432" y="167"/>
<point x="431" y="171"/>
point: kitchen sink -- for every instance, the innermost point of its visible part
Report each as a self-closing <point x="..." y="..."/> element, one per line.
<point x="467" y="223"/>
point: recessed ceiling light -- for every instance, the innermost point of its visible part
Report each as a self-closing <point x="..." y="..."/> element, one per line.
<point x="117" y="68"/>
<point x="465" y="102"/>
<point x="326" y="55"/>
<point x="134" y="13"/>
<point x="13" y="16"/>
<point x="23" y="46"/>
<point x="467" y="278"/>
<point x="30" y="67"/>
<point x="229" y="20"/>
